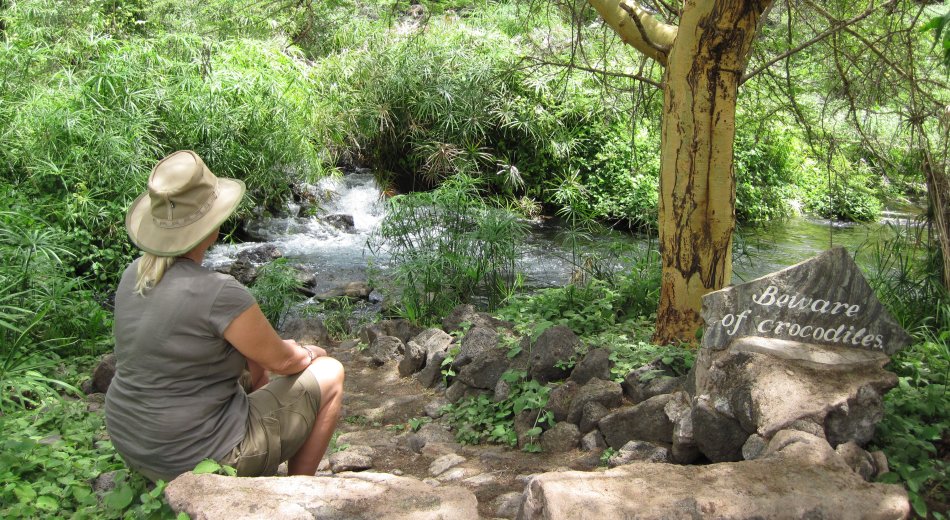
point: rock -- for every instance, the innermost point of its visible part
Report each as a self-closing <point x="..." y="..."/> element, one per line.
<point x="485" y="370"/>
<point x="356" y="496"/>
<point x="502" y="391"/>
<point x="444" y="463"/>
<point x="805" y="448"/>
<point x="402" y="329"/>
<point x="607" y="393"/>
<point x="858" y="460"/>
<point x="639" y="451"/>
<point x="595" y="364"/>
<point x="434" y="406"/>
<point x="506" y="506"/>
<point x="459" y="390"/>
<point x="466" y="313"/>
<point x="103" y="484"/>
<point x="646" y="421"/>
<point x="754" y="447"/>
<point x="762" y="489"/>
<point x="523" y="423"/>
<point x="636" y="381"/>
<point x="717" y="434"/>
<point x="383" y="349"/>
<point x="767" y="385"/>
<point x="431" y="373"/>
<point x="562" y="437"/>
<point x="357" y="290"/>
<point x="433" y="340"/>
<point x="560" y="399"/>
<point x="354" y="458"/>
<point x="103" y="373"/>
<point x="429" y="434"/>
<point x="341" y="221"/>
<point x="372" y="437"/>
<point x="680" y="412"/>
<point x="823" y="301"/>
<point x="412" y="360"/>
<point x="242" y="270"/>
<point x="589" y="461"/>
<point x="261" y="254"/>
<point x="307" y="330"/>
<point x="591" y="415"/>
<point x="555" y="346"/>
<point x="856" y="419"/>
<point x="880" y="462"/>
<point x="593" y="441"/>
<point x="95" y="402"/>
<point x="474" y="342"/>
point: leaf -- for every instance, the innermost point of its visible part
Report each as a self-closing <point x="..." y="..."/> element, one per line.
<point x="534" y="432"/>
<point x="47" y="503"/>
<point x="206" y="466"/>
<point x="119" y="498"/>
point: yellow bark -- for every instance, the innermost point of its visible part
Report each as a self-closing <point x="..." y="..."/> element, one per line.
<point x="654" y="37"/>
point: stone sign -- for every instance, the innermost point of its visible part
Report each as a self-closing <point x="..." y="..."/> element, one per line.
<point x="824" y="301"/>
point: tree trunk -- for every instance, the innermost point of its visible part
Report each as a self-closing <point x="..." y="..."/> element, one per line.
<point x="697" y="182"/>
<point x="938" y="187"/>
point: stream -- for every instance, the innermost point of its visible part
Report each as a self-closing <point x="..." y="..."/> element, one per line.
<point x="338" y="253"/>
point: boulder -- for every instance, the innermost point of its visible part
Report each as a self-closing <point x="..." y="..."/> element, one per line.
<point x="307" y="330"/>
<point x="384" y="348"/>
<point x="358" y="290"/>
<point x="761" y="386"/>
<point x="402" y="329"/>
<point x="445" y="463"/>
<point x="554" y="347"/>
<point x="562" y="437"/>
<point x="636" y="381"/>
<point x="103" y="373"/>
<point x="646" y="421"/>
<point x="485" y="370"/>
<point x="679" y="411"/>
<point x="242" y="270"/>
<point x="862" y="462"/>
<point x="593" y="441"/>
<point x="412" y="360"/>
<point x="717" y="434"/>
<point x="560" y="399"/>
<point x="356" y="496"/>
<point x="354" y="458"/>
<point x="477" y="340"/>
<point x="596" y="363"/>
<point x="639" y="451"/>
<point x="762" y="489"/>
<point x="261" y="254"/>
<point x="591" y="415"/>
<point x="607" y="393"/>
<point x="341" y="221"/>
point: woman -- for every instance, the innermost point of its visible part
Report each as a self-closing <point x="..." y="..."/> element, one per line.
<point x="183" y="336"/>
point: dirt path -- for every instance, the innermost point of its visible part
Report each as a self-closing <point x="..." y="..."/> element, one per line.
<point x="378" y="407"/>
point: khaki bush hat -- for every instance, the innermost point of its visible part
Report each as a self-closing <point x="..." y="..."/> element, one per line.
<point x="184" y="204"/>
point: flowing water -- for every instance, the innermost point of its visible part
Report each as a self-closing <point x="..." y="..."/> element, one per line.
<point x="340" y="255"/>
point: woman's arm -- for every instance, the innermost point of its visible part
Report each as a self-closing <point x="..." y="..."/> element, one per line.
<point x="258" y="375"/>
<point x="254" y="337"/>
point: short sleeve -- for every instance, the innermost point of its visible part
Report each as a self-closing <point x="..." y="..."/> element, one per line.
<point x="232" y="300"/>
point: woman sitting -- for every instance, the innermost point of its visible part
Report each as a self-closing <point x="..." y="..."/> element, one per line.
<point x="184" y="334"/>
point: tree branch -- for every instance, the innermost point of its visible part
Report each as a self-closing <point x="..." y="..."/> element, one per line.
<point x="837" y="25"/>
<point x="637" y="77"/>
<point x="637" y="27"/>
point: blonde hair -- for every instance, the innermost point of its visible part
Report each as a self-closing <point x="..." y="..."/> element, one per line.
<point x="150" y="271"/>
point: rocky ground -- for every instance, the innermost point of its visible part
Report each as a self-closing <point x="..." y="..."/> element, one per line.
<point x="376" y="435"/>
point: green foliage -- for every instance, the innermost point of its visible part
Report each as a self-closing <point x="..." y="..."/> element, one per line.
<point x="336" y="314"/>
<point x="277" y="289"/>
<point x="594" y="306"/>
<point x="764" y="175"/>
<point x="481" y="419"/>
<point x="938" y="25"/>
<point x="916" y="419"/>
<point x="212" y="466"/>
<point x="49" y="459"/>
<point x="449" y="246"/>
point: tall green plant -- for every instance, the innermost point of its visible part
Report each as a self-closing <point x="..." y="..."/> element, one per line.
<point x="450" y="246"/>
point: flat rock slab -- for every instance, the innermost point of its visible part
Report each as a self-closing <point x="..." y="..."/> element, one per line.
<point x="762" y="489"/>
<point x="368" y="496"/>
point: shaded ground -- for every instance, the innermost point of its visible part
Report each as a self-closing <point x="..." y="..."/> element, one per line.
<point x="378" y="407"/>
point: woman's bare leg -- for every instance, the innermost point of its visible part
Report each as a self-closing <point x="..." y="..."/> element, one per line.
<point x="329" y="373"/>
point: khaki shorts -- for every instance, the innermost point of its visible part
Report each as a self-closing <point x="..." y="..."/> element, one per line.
<point x="280" y="418"/>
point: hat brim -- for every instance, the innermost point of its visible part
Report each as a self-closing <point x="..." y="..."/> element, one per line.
<point x="176" y="241"/>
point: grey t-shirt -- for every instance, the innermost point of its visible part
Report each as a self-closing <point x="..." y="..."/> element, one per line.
<point x="175" y="398"/>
